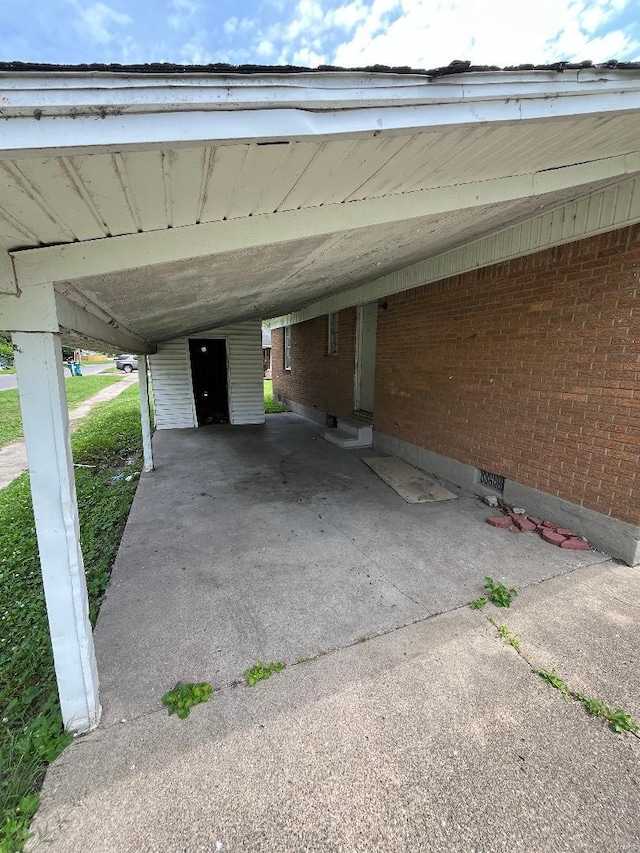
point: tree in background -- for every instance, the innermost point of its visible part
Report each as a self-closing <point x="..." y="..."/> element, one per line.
<point x="6" y="349"/>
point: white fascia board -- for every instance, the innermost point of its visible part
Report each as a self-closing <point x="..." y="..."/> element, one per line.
<point x="62" y="93"/>
<point x="79" y="260"/>
<point x="605" y="210"/>
<point x="175" y="116"/>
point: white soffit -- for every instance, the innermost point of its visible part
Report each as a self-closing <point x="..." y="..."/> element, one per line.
<point x="57" y="200"/>
<point x="162" y="300"/>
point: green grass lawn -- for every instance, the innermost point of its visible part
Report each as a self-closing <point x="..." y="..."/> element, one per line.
<point x="271" y="406"/>
<point x="30" y="726"/>
<point x="79" y="389"/>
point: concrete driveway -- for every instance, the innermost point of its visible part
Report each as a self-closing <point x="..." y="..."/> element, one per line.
<point x="412" y="727"/>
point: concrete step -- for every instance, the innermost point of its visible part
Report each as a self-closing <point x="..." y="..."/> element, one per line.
<point x="357" y="428"/>
<point x="346" y="440"/>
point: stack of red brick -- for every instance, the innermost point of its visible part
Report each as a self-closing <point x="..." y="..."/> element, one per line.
<point x="550" y="532"/>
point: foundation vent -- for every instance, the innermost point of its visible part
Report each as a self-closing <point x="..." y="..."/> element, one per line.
<point x="493" y="481"/>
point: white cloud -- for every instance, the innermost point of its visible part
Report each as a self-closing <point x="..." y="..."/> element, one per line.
<point x="349" y="15"/>
<point x="308" y="58"/>
<point x="184" y="10"/>
<point x="230" y="26"/>
<point x="196" y="50"/>
<point x="98" y="21"/>
<point x="429" y="33"/>
<point x="239" y="25"/>
<point x="265" y="49"/>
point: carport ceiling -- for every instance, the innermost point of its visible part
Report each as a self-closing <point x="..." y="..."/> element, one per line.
<point x="182" y="297"/>
<point x="343" y="179"/>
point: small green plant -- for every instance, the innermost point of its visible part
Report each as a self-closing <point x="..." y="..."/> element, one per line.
<point x="478" y="603"/>
<point x="184" y="696"/>
<point x="552" y="678"/>
<point x="498" y="594"/>
<point x="510" y="639"/>
<point x="258" y="672"/>
<point x="620" y="721"/>
<point x="594" y="706"/>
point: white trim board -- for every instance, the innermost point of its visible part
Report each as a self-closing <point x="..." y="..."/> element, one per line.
<point x="605" y="210"/>
<point x="79" y="112"/>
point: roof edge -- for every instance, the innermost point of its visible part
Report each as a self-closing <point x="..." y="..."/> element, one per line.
<point x="223" y="68"/>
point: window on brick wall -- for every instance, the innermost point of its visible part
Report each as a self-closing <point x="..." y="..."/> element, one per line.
<point x="332" y="342"/>
<point x="286" y="350"/>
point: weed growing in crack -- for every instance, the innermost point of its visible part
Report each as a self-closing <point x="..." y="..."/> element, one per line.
<point x="619" y="720"/>
<point x="184" y="696"/>
<point x="258" y="672"/>
<point x="552" y="678"/>
<point x="510" y="639"/>
<point x="498" y="594"/>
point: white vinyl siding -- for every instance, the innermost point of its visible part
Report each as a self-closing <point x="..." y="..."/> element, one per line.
<point x="171" y="383"/>
<point x="173" y="388"/>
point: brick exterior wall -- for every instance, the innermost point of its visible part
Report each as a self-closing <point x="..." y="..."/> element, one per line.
<point x="529" y="369"/>
<point x="316" y="379"/>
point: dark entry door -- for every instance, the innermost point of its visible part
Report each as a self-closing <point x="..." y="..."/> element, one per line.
<point x="209" y="375"/>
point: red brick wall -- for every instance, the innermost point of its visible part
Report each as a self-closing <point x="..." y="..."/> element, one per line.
<point x="529" y="369"/>
<point x="317" y="380"/>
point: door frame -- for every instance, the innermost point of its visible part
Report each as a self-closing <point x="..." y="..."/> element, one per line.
<point x="357" y="372"/>
<point x="209" y="337"/>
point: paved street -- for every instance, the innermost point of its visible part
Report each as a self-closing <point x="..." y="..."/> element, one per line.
<point x="9" y="380"/>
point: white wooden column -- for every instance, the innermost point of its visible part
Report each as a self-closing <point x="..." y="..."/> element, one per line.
<point x="143" y="381"/>
<point x="43" y="402"/>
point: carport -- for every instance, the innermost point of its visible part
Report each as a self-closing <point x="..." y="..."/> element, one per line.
<point x="144" y="205"/>
<point x="270" y="543"/>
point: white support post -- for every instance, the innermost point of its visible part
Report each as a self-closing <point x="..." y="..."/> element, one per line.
<point x="45" y="419"/>
<point x="143" y="381"/>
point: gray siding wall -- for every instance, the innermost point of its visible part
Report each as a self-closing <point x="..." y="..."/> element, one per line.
<point x="172" y="386"/>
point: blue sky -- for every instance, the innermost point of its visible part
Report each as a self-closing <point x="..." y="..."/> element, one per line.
<point x="420" y="33"/>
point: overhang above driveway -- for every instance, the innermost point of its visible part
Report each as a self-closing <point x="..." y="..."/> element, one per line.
<point x="161" y="301"/>
<point x="300" y="187"/>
